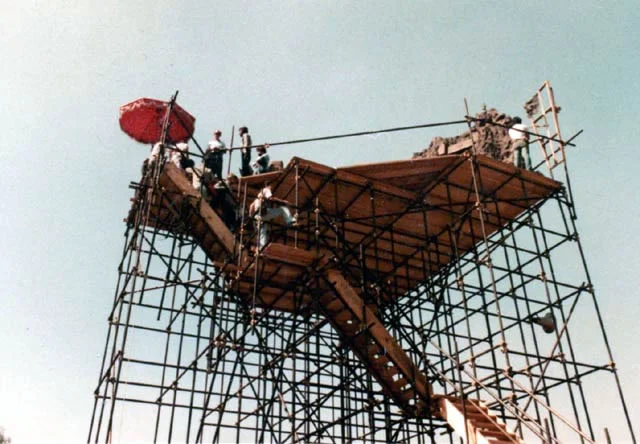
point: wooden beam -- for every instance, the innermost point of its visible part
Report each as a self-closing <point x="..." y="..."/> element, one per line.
<point x="379" y="332"/>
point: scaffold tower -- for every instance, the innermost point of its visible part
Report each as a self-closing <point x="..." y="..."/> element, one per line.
<point x="428" y="300"/>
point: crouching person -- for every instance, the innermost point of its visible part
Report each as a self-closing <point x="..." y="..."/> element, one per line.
<point x="262" y="163"/>
<point x="263" y="210"/>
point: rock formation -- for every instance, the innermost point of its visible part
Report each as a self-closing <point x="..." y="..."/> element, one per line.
<point x="489" y="139"/>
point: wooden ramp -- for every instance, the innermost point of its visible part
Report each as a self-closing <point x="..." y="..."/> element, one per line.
<point x="358" y="325"/>
<point x="482" y="427"/>
<point x="365" y="334"/>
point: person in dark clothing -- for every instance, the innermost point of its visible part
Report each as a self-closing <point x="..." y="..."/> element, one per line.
<point x="185" y="163"/>
<point x="227" y="204"/>
<point x="246" y="151"/>
<point x="218" y="194"/>
<point x="213" y="157"/>
<point x="262" y="163"/>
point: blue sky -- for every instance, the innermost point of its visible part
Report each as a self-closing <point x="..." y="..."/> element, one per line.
<point x="286" y="69"/>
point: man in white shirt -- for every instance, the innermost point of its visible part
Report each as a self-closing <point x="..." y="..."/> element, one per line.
<point x="149" y="163"/>
<point x="520" y="143"/>
<point x="214" y="156"/>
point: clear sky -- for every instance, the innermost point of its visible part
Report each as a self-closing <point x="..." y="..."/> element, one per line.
<point x="286" y="69"/>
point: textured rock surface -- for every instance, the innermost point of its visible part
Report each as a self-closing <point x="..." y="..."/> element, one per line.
<point x="492" y="140"/>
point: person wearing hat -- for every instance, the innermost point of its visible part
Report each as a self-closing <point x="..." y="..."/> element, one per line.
<point x="213" y="157"/>
<point x="245" y="170"/>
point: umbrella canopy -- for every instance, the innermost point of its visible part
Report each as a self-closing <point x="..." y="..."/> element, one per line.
<point x="144" y="119"/>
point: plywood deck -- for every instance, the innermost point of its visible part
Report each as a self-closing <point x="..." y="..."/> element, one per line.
<point x="401" y="219"/>
<point x="399" y="222"/>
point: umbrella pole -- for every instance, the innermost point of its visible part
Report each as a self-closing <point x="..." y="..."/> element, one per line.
<point x="193" y="139"/>
<point x="181" y="122"/>
<point x="165" y="124"/>
<point x="233" y="133"/>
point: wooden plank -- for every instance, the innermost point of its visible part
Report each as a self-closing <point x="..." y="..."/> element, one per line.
<point x="311" y="165"/>
<point x="290" y="255"/>
<point x="347" y="178"/>
<point x="274" y="274"/>
<point x="378" y="186"/>
<point x="275" y="298"/>
<point x="402" y="168"/>
<point x="258" y="180"/>
<point x="530" y="176"/>
<point x="379" y="332"/>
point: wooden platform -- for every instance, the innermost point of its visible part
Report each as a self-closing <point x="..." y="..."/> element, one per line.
<point x="284" y="279"/>
<point x="404" y="219"/>
<point x="399" y="222"/>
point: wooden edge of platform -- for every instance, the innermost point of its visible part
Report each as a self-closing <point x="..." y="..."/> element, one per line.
<point x="529" y="176"/>
<point x="290" y="255"/>
<point x="260" y="179"/>
<point x="344" y="175"/>
<point x="398" y="168"/>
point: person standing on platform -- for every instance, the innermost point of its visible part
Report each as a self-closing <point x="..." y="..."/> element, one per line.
<point x="246" y="151"/>
<point x="214" y="156"/>
<point x="520" y="143"/>
<point x="261" y="165"/>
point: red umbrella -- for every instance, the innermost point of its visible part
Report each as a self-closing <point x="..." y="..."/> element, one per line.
<point x="144" y="120"/>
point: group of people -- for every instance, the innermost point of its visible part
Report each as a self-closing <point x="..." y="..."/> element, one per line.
<point x="214" y="156"/>
<point x="218" y="191"/>
<point x="265" y="208"/>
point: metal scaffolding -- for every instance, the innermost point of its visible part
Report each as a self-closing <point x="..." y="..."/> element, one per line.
<point x="478" y="275"/>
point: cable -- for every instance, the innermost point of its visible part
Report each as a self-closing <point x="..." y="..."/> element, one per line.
<point x="491" y="122"/>
<point x="342" y="136"/>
